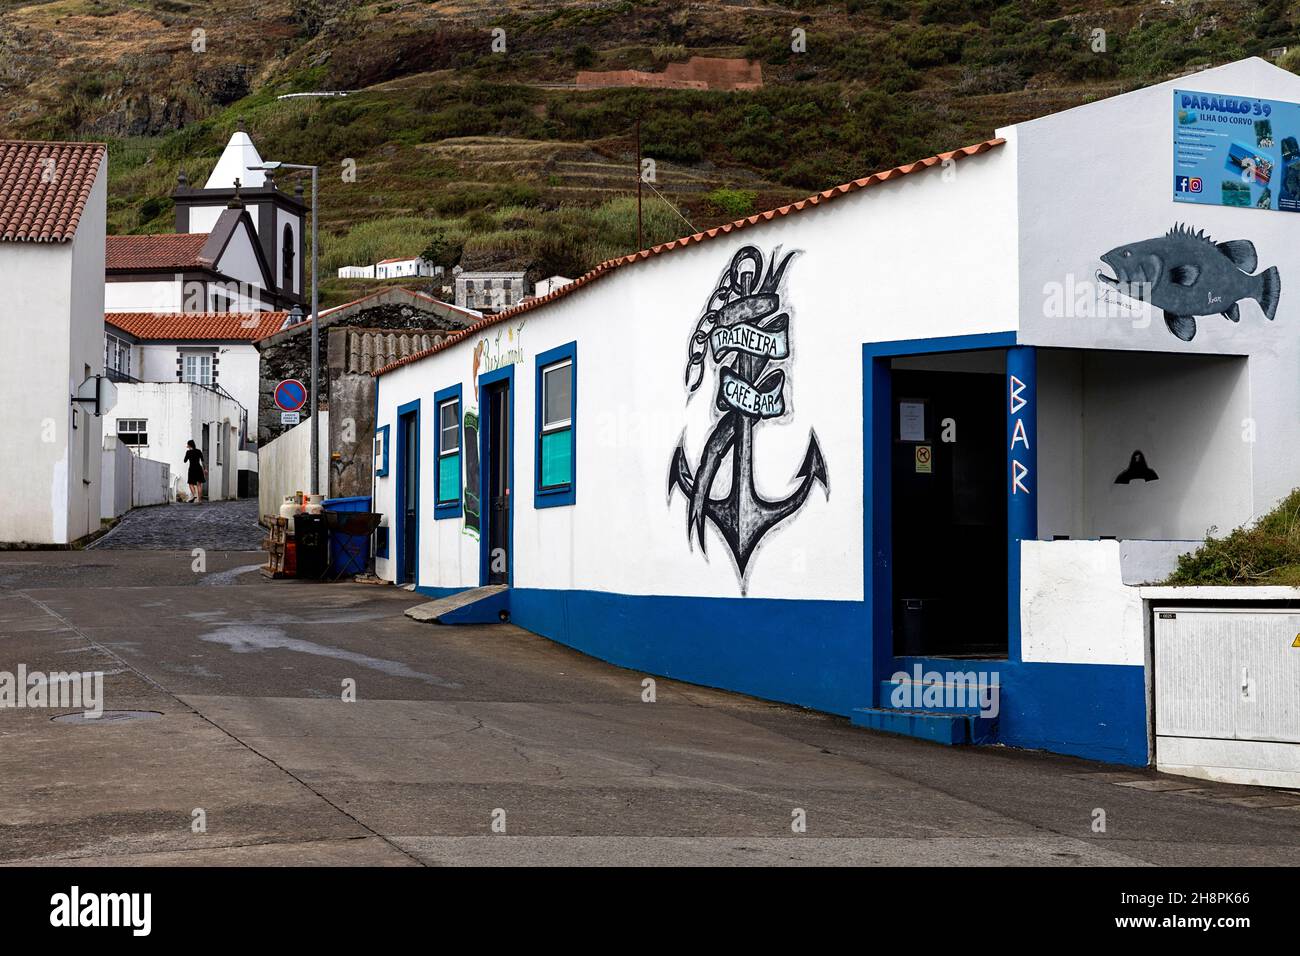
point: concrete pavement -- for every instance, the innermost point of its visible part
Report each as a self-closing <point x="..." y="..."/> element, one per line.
<point x="455" y="729"/>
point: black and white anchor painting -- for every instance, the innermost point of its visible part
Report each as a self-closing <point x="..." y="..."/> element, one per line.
<point x="744" y="332"/>
<point x="1187" y="274"/>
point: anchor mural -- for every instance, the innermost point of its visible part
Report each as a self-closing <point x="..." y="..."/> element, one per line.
<point x="745" y="329"/>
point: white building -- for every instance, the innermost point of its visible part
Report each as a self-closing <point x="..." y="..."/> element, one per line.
<point x="213" y="350"/>
<point x="156" y="419"/>
<point x="402" y="268"/>
<point x="219" y="271"/>
<point x="357" y="272"/>
<point x="546" y="286"/>
<point x="945" y="419"/>
<point x="52" y="217"/>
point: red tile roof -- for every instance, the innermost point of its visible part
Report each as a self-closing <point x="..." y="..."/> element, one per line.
<point x="44" y="188"/>
<point x="197" y="326"/>
<point x="610" y="265"/>
<point x="163" y="251"/>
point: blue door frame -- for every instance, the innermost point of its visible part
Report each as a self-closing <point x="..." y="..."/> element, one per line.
<point x="877" y="512"/>
<point x="407" y="415"/>
<point x="505" y="374"/>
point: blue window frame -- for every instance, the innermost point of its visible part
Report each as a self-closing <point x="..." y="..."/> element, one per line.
<point x="381" y="451"/>
<point x="447" y="447"/>
<point x="555" y="450"/>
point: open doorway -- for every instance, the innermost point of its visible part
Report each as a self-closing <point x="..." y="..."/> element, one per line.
<point x="498" y="446"/>
<point x="408" y="494"/>
<point x="949" y="508"/>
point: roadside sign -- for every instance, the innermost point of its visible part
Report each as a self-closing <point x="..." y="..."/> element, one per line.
<point x="290" y="418"/>
<point x="99" y="392"/>
<point x="290" y="395"/>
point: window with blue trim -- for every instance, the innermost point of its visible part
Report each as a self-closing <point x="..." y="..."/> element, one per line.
<point x="447" y="453"/>
<point x="381" y="451"/>
<point x="556" y="398"/>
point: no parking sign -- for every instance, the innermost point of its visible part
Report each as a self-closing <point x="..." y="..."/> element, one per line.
<point x="290" y="395"/>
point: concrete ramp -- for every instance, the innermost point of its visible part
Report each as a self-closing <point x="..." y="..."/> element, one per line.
<point x="483" y="605"/>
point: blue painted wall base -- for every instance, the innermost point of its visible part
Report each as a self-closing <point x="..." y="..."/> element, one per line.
<point x="811" y="653"/>
<point x="483" y="611"/>
<point x="949" y="729"/>
<point x="816" y="654"/>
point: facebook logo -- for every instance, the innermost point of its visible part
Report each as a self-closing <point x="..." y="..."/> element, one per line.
<point x="1187" y="184"/>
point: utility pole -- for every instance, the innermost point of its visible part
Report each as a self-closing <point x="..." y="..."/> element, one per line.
<point x="314" y="484"/>
<point x="639" y="244"/>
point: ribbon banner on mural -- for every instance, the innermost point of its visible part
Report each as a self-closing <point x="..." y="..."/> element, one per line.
<point x="745" y="327"/>
<point x="752" y="340"/>
<point x="762" y="401"/>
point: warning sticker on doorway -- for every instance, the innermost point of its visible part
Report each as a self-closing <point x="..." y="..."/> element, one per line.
<point x="1296" y="642"/>
<point x="923" y="459"/>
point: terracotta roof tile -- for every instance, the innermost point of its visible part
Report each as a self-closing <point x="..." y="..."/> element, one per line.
<point x="610" y="265"/>
<point x="44" y="188"/>
<point x="197" y="326"/>
<point x="162" y="251"/>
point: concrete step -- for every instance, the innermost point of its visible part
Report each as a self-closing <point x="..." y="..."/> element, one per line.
<point x="949" y="729"/>
<point x="931" y="699"/>
<point x="472" y="606"/>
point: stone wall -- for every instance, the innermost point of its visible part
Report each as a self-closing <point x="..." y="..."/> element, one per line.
<point x="288" y="355"/>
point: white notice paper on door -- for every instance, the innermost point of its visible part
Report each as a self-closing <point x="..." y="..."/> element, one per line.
<point x="911" y="421"/>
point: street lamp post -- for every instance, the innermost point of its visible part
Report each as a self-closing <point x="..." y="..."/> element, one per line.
<point x="315" y="317"/>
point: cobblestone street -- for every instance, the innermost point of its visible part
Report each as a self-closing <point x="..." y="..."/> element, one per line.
<point x="213" y="526"/>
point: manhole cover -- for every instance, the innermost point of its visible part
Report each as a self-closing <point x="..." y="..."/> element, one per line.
<point x="107" y="717"/>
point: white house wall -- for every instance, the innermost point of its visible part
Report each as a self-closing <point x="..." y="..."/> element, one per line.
<point x="237" y="372"/>
<point x="1099" y="177"/>
<point x="176" y="413"/>
<point x="38" y="279"/>
<point x="160" y="295"/>
<point x="87" y="358"/>
<point x="1097" y="408"/>
<point x="895" y="261"/>
<point x="52" y="314"/>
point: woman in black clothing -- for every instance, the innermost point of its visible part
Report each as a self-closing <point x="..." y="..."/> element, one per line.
<point x="198" y="473"/>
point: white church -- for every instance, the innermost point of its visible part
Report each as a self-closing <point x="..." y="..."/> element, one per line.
<point x="183" y="309"/>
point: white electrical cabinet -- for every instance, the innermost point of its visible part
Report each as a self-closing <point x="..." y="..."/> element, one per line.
<point x="1227" y="694"/>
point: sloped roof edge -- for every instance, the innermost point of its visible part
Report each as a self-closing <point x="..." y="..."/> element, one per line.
<point x="610" y="265"/>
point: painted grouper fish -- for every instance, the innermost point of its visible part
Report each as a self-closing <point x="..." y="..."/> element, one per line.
<point x="1187" y="274"/>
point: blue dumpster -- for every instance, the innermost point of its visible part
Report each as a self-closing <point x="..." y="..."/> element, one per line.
<point x="349" y="551"/>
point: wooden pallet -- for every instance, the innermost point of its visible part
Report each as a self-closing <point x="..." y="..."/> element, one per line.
<point x="279" y="552"/>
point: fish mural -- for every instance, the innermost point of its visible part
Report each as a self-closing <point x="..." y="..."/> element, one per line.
<point x="1187" y="274"/>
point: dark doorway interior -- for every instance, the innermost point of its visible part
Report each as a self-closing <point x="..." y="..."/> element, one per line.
<point x="206" y="442"/>
<point x="497" y="482"/>
<point x="949" y="514"/>
<point x="409" y="507"/>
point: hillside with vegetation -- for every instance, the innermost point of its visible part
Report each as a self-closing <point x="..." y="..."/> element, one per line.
<point x="468" y="137"/>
